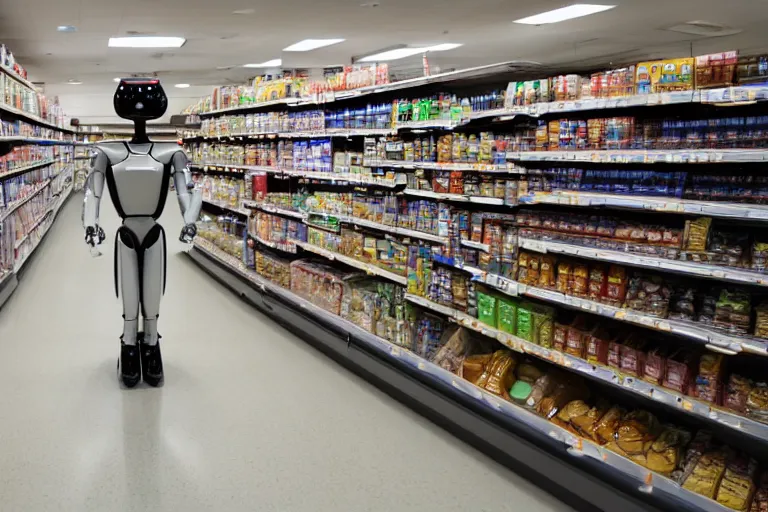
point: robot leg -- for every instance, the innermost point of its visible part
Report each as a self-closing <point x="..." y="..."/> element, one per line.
<point x="153" y="286"/>
<point x="127" y="269"/>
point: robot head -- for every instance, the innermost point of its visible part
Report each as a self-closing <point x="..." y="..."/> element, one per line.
<point x="140" y="99"/>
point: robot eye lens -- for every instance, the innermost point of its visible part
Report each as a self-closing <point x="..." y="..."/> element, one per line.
<point x="139" y="106"/>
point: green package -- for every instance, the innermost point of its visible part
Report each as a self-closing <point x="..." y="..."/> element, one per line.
<point x="543" y="325"/>
<point x="507" y="315"/>
<point x="525" y="321"/>
<point x="486" y="309"/>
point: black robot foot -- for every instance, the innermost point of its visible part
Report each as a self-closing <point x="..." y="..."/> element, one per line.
<point x="130" y="364"/>
<point x="151" y="363"/>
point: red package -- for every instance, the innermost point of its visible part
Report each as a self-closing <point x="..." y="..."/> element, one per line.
<point x="574" y="343"/>
<point x="632" y="360"/>
<point x="614" y="354"/>
<point x="559" y="337"/>
<point x="597" y="346"/>
<point x="259" y="186"/>
<point x="655" y="364"/>
<point x="679" y="372"/>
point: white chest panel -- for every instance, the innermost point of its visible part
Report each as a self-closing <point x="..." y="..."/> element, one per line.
<point x="139" y="183"/>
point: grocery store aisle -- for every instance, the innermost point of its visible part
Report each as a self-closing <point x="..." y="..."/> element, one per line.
<point x="250" y="417"/>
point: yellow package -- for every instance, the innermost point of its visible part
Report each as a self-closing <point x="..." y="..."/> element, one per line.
<point x="676" y="75"/>
<point x="647" y="75"/>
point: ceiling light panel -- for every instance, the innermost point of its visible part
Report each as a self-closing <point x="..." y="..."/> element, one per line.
<point x="311" y="44"/>
<point x="66" y="28"/>
<point x="274" y="63"/>
<point x="401" y="53"/>
<point x="146" y="42"/>
<point x="564" y="13"/>
<point x="182" y="86"/>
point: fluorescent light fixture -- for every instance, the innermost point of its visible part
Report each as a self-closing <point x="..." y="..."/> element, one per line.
<point x="74" y="82"/>
<point x="274" y="63"/>
<point x="564" y="13"/>
<point x="401" y="53"/>
<point x="311" y="44"/>
<point x="66" y="28"/>
<point x="182" y="86"/>
<point x="116" y="80"/>
<point x="146" y="42"/>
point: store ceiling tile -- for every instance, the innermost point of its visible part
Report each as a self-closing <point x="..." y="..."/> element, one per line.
<point x="217" y="38"/>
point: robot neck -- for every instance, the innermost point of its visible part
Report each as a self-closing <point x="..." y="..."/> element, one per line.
<point x="140" y="132"/>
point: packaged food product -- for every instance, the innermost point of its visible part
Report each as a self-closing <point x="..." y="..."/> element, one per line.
<point x="757" y="402"/>
<point x="648" y="294"/>
<point x="547" y="272"/>
<point x="598" y="279"/>
<point x="525" y="321"/>
<point x="614" y="354"/>
<point x="575" y="343"/>
<point x="559" y="337"/>
<point x="487" y="310"/>
<point x="635" y="430"/>
<point x="580" y="281"/>
<point x="733" y="311"/>
<point x="597" y="346"/>
<point x="564" y="276"/>
<point x="737" y="486"/>
<point x="666" y="452"/>
<point x="541" y="388"/>
<point x="507" y="315"/>
<point x="760" y="501"/>
<point x="606" y="426"/>
<point x="529" y="372"/>
<point x="696" y="234"/>
<point x="499" y="374"/>
<point x="543" y="325"/>
<point x="736" y="392"/>
<point x="451" y="354"/>
<point x="708" y="383"/>
<point x="680" y="369"/>
<point x="761" y="320"/>
<point x="616" y="286"/>
<point x="706" y="474"/>
<point x="655" y="365"/>
<point x="585" y="423"/>
<point x="520" y="391"/>
<point x="474" y="365"/>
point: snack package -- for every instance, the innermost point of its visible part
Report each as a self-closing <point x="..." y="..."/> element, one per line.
<point x="547" y="272"/>
<point x="632" y="355"/>
<point x="737" y="486"/>
<point x="564" y="277"/>
<point x="525" y="321"/>
<point x="736" y="392"/>
<point x="597" y="346"/>
<point x="559" y="337"/>
<point x="580" y="280"/>
<point x="499" y="374"/>
<point x="575" y="342"/>
<point x="635" y="430"/>
<point x="696" y="234"/>
<point x="666" y="452"/>
<point x="598" y="280"/>
<point x="605" y="428"/>
<point x="655" y="365"/>
<point x="757" y="402"/>
<point x="451" y="354"/>
<point x="679" y="372"/>
<point x="474" y="366"/>
<point x="708" y="383"/>
<point x="585" y="424"/>
<point x="705" y="476"/>
<point x="761" y="320"/>
<point x="507" y="317"/>
<point x="487" y="309"/>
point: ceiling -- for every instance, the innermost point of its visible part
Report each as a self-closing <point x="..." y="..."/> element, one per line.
<point x="217" y="38"/>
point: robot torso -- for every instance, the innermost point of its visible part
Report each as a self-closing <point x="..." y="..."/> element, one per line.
<point x="138" y="175"/>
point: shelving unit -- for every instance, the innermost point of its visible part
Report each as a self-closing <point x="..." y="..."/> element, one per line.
<point x="457" y="214"/>
<point x="47" y="179"/>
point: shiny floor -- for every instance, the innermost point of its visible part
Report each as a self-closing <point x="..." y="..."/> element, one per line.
<point x="250" y="417"/>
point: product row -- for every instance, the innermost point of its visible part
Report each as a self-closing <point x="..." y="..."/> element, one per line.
<point x="17" y="188"/>
<point x="730" y="309"/>
<point x="296" y="84"/>
<point x="737" y="186"/>
<point x="24" y="156"/>
<point x="699" y="462"/>
<point x="20" y="128"/>
<point x="691" y="240"/>
<point x="713" y="70"/>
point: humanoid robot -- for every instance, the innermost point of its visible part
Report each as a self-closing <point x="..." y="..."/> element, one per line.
<point x="137" y="174"/>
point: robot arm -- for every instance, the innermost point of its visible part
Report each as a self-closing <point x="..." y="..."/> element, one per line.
<point x="190" y="198"/>
<point x="94" y="186"/>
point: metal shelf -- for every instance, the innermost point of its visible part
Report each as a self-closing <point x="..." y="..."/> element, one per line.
<point x="31" y="118"/>
<point x="226" y="206"/>
<point x="27" y="168"/>
<point x="692" y="268"/>
<point x="639" y="156"/>
<point x="4" y="213"/>
<point x="55" y="211"/>
<point x="352" y="262"/>
<point x="504" y="168"/>
<point x="459" y="198"/>
<point x="289" y="247"/>
<point x="722" y="209"/>
<point x="604" y="374"/>
<point x="577" y="447"/>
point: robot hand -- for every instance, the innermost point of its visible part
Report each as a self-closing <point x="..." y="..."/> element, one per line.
<point x="188" y="233"/>
<point x="94" y="235"/>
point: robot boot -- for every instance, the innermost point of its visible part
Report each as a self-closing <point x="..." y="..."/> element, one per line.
<point x="151" y="363"/>
<point x="130" y="364"/>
